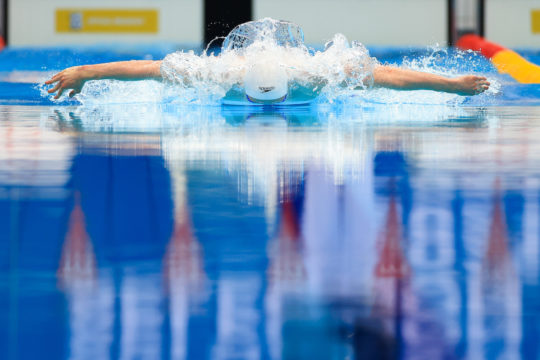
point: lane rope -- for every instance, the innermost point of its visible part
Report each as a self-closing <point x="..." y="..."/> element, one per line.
<point x="506" y="61"/>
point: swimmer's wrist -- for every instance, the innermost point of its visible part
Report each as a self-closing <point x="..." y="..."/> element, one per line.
<point x="85" y="72"/>
<point x="445" y="84"/>
<point x="453" y="84"/>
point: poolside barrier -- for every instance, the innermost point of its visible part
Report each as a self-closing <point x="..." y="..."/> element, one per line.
<point x="505" y="60"/>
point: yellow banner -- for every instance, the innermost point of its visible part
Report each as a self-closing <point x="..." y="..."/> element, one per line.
<point x="535" y="21"/>
<point x="107" y="20"/>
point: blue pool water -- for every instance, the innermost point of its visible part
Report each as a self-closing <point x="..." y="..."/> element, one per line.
<point x="378" y="227"/>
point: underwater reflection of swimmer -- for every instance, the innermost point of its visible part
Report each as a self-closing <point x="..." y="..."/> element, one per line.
<point x="266" y="62"/>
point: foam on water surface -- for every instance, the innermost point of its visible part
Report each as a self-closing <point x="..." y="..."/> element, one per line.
<point x="341" y="73"/>
<point x="208" y="78"/>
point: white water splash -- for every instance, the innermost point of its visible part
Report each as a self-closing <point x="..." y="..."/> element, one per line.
<point x="207" y="78"/>
<point x="342" y="72"/>
<point x="106" y="92"/>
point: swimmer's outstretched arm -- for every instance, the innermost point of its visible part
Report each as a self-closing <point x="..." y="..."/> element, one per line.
<point x="404" y="79"/>
<point x="75" y="77"/>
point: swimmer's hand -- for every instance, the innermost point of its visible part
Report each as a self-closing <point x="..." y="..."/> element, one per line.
<point x="70" y="78"/>
<point x="75" y="77"/>
<point x="470" y="85"/>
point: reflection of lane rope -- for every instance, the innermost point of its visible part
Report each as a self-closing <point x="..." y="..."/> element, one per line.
<point x="183" y="259"/>
<point x="78" y="263"/>
<point x="500" y="284"/>
<point x="183" y="264"/>
<point x="287" y="258"/>
<point x="393" y="297"/>
<point x="392" y="261"/>
<point x="498" y="260"/>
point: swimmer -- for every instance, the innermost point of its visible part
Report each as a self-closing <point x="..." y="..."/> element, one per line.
<point x="249" y="71"/>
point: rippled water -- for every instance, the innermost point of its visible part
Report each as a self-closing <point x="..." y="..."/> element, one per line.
<point x="371" y="232"/>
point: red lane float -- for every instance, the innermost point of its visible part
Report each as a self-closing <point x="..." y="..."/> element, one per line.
<point x="505" y="60"/>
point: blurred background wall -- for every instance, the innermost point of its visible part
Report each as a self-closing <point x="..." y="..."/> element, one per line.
<point x="372" y="22"/>
<point x="513" y="23"/>
<point x="59" y="22"/>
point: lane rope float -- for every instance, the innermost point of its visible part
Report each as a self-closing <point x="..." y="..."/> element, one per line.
<point x="506" y="61"/>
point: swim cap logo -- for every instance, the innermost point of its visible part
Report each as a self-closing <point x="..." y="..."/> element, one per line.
<point x="265" y="89"/>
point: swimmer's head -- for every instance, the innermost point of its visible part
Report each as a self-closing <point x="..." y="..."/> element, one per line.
<point x="266" y="83"/>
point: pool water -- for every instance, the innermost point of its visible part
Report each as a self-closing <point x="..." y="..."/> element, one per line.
<point x="359" y="229"/>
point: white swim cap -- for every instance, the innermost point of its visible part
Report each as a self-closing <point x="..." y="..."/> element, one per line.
<point x="266" y="83"/>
